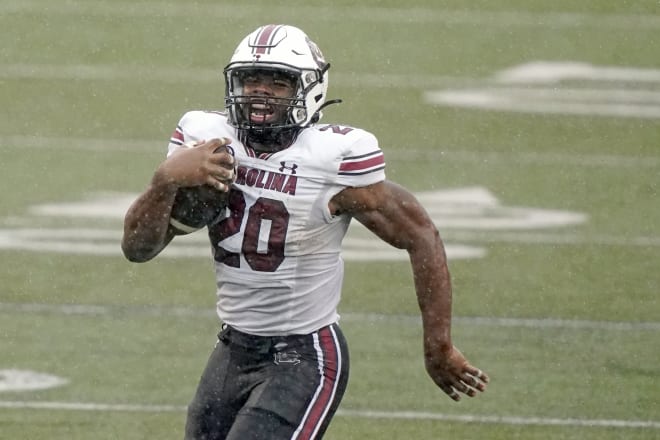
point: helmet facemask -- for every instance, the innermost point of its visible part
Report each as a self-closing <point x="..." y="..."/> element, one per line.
<point x="262" y="101"/>
<point x="271" y="120"/>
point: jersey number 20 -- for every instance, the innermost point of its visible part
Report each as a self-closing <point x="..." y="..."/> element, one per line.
<point x="264" y="209"/>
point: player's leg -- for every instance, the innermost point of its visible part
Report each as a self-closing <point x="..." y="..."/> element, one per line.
<point x="301" y="389"/>
<point x="214" y="406"/>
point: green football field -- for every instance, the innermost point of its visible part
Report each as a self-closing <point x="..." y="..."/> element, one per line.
<point x="529" y="129"/>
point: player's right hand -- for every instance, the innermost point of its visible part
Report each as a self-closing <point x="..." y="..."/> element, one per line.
<point x="205" y="162"/>
<point x="455" y="375"/>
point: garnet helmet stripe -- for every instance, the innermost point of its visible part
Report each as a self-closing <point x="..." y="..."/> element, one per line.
<point x="264" y="40"/>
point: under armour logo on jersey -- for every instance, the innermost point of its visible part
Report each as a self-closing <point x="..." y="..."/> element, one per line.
<point x="291" y="168"/>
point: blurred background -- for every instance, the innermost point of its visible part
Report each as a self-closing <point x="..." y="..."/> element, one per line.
<point x="529" y="130"/>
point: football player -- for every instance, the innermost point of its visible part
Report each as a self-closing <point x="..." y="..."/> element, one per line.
<point x="280" y="365"/>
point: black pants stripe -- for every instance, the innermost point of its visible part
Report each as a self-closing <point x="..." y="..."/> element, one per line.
<point x="282" y="387"/>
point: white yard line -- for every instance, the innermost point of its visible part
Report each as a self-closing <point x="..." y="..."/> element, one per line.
<point x="173" y="311"/>
<point x="597" y="102"/>
<point x="534" y="158"/>
<point x="502" y="420"/>
<point x="402" y="16"/>
<point x="528" y="237"/>
<point x="367" y="414"/>
<point x="110" y="72"/>
<point x="443" y="153"/>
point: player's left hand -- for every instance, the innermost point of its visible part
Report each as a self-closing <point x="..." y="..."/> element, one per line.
<point x="454" y="374"/>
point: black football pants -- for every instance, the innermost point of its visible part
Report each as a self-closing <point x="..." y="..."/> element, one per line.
<point x="270" y="388"/>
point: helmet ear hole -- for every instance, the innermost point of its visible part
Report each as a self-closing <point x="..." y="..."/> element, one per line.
<point x="309" y="78"/>
<point x="301" y="115"/>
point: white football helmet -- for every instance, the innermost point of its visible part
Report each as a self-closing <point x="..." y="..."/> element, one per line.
<point x="282" y="49"/>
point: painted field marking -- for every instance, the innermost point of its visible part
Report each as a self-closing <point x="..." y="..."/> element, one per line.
<point x="618" y="96"/>
<point x="367" y="414"/>
<point x="552" y="72"/>
<point x="187" y="312"/>
<point x="26" y="380"/>
<point x="606" y="102"/>
<point x="469" y="208"/>
<point x="465" y="208"/>
<point x="564" y="160"/>
<point x="106" y="242"/>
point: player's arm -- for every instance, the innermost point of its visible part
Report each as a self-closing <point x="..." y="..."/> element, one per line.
<point x="147" y="229"/>
<point x="395" y="215"/>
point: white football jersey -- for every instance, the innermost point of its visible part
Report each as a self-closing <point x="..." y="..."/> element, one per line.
<point x="277" y="256"/>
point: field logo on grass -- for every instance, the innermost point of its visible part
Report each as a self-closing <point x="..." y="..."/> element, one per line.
<point x="571" y="88"/>
<point x="469" y="211"/>
<point x="26" y="380"/>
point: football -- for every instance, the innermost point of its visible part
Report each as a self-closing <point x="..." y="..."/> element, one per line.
<point x="196" y="206"/>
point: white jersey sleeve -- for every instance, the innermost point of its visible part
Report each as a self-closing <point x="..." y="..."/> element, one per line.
<point x="362" y="162"/>
<point x="199" y="125"/>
